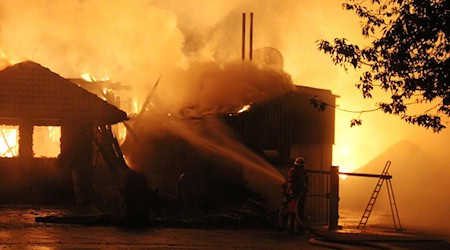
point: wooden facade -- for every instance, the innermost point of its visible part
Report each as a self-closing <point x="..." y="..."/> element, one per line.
<point x="31" y="96"/>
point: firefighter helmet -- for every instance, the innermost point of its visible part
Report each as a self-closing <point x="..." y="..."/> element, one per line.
<point x="299" y="161"/>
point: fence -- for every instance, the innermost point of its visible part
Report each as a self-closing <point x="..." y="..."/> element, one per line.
<point x="322" y="201"/>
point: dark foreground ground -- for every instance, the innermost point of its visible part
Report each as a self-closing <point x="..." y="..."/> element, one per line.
<point x="19" y="230"/>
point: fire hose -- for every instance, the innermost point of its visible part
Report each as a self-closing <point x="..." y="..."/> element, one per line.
<point x="323" y="240"/>
<point x="320" y="240"/>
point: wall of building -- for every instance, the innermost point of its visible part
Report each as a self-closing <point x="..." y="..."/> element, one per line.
<point x="288" y="127"/>
<point x="28" y="179"/>
<point x="34" y="181"/>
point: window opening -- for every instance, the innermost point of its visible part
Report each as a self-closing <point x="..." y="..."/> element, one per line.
<point x="9" y="141"/>
<point x="46" y="141"/>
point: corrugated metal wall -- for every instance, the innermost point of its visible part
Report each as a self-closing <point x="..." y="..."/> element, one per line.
<point x="293" y="127"/>
<point x="286" y="121"/>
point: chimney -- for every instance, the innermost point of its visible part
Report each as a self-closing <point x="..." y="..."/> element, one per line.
<point x="243" y="36"/>
<point x="250" y="36"/>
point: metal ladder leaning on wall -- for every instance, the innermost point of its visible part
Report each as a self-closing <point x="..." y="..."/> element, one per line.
<point x="395" y="216"/>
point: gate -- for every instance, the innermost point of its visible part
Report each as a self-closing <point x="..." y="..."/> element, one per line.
<point x="322" y="200"/>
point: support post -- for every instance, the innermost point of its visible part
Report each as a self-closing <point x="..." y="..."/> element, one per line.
<point x="334" y="198"/>
<point x="26" y="140"/>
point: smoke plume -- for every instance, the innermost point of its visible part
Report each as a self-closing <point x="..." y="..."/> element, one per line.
<point x="136" y="41"/>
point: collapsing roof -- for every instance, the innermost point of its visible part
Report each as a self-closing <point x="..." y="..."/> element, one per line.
<point x="30" y="90"/>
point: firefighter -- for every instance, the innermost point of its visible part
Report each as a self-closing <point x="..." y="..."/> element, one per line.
<point x="297" y="188"/>
<point x="282" y="212"/>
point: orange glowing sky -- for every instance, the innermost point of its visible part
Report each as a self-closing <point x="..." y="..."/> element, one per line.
<point x="134" y="41"/>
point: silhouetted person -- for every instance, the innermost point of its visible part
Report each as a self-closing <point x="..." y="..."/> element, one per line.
<point x="297" y="188"/>
<point x="283" y="212"/>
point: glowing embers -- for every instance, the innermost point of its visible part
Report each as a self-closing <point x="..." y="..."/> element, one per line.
<point x="46" y="141"/>
<point x="245" y="108"/>
<point x="89" y="78"/>
<point x="9" y="141"/>
<point x="241" y="110"/>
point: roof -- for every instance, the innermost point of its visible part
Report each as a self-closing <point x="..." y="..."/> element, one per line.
<point x="302" y="96"/>
<point x="299" y="89"/>
<point x="30" y="90"/>
<point x="287" y="119"/>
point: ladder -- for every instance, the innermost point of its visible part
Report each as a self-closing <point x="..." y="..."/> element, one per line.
<point x="393" y="204"/>
<point x="384" y="176"/>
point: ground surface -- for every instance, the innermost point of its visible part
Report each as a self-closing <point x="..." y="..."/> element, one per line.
<point x="18" y="230"/>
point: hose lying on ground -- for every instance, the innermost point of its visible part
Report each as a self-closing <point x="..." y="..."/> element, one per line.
<point x="326" y="241"/>
<point x="347" y="244"/>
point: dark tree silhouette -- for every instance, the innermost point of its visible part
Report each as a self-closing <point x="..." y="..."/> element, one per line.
<point x="408" y="56"/>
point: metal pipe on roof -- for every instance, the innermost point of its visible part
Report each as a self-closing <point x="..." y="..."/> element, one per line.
<point x="243" y="36"/>
<point x="251" y="36"/>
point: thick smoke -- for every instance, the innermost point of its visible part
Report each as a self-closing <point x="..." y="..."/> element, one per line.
<point x="209" y="88"/>
<point x="135" y="41"/>
<point x="128" y="41"/>
<point x="192" y="124"/>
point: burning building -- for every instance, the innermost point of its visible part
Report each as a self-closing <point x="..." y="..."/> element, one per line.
<point x="49" y="124"/>
<point x="250" y="146"/>
<point x="290" y="126"/>
<point x="46" y="135"/>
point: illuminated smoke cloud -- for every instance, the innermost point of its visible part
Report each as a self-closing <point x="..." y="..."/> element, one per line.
<point x="135" y="41"/>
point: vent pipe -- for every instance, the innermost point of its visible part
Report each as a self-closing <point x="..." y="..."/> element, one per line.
<point x="243" y="36"/>
<point x="250" y="36"/>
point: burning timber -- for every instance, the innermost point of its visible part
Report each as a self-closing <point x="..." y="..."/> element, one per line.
<point x="31" y="98"/>
<point x="198" y="167"/>
<point x="216" y="161"/>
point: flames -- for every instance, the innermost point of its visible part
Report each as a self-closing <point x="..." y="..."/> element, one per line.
<point x="54" y="133"/>
<point x="244" y="108"/>
<point x="89" y="78"/>
<point x="5" y="61"/>
<point x="9" y="141"/>
<point x="135" y="107"/>
<point x="108" y="94"/>
<point x="46" y="141"/>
